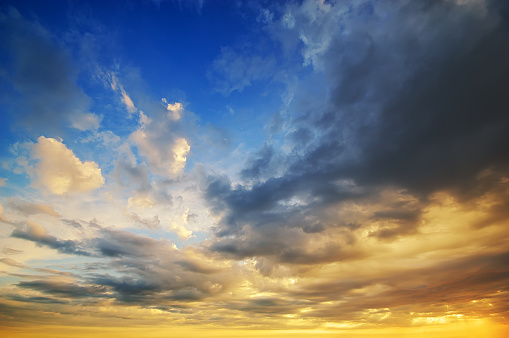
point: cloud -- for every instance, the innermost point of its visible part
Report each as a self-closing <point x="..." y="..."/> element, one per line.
<point x="159" y="142"/>
<point x="41" y="92"/>
<point x="379" y="198"/>
<point x="28" y="209"/>
<point x="12" y="262"/>
<point x="125" y="98"/>
<point x="2" y="182"/>
<point x="408" y="129"/>
<point x="180" y="230"/>
<point x="33" y="231"/>
<point x="38" y="299"/>
<point x="61" y="172"/>
<point x="11" y="251"/>
<point x="150" y="271"/>
<point x="150" y="223"/>
<point x="174" y="110"/>
<point x="128" y="102"/>
<point x="407" y="112"/>
<point x="64" y="289"/>
<point x="233" y="71"/>
<point x="129" y="173"/>
<point x="86" y="121"/>
<point x="2" y="217"/>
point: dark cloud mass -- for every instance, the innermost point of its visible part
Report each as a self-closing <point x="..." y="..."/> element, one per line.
<point x="34" y="232"/>
<point x="416" y="102"/>
<point x="151" y="271"/>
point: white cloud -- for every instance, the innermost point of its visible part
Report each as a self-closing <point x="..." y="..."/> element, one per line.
<point x="86" y="121"/>
<point x="140" y="202"/>
<point x="180" y="150"/>
<point x="125" y="98"/>
<point x="61" y="172"/>
<point x="181" y="231"/>
<point x="2" y="181"/>
<point x="174" y="110"/>
<point x="128" y="102"/>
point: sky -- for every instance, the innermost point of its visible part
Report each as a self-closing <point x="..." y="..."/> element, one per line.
<point x="304" y="168"/>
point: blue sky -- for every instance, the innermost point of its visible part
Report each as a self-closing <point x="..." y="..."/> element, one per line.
<point x="300" y="166"/>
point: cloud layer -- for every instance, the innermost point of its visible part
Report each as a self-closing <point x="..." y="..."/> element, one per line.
<point x="376" y="200"/>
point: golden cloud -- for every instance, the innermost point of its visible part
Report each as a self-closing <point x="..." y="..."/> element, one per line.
<point x="61" y="172"/>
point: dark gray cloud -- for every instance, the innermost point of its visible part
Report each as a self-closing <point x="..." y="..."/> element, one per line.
<point x="433" y="104"/>
<point x="450" y="284"/>
<point x="418" y="108"/>
<point x="35" y="233"/>
<point x="148" y="271"/>
<point x="116" y="243"/>
<point x="64" y="289"/>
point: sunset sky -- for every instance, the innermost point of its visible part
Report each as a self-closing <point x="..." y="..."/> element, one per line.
<point x="254" y="168"/>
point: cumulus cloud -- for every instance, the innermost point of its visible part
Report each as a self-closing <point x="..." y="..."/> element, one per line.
<point x="159" y="142"/>
<point x="2" y="181"/>
<point x="61" y="172"/>
<point x="407" y="112"/>
<point x="174" y="110"/>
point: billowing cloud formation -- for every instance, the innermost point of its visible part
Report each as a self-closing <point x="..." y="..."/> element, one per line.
<point x="160" y="274"/>
<point x="174" y="110"/>
<point x="61" y="172"/>
<point x="159" y="143"/>
<point x="418" y="132"/>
